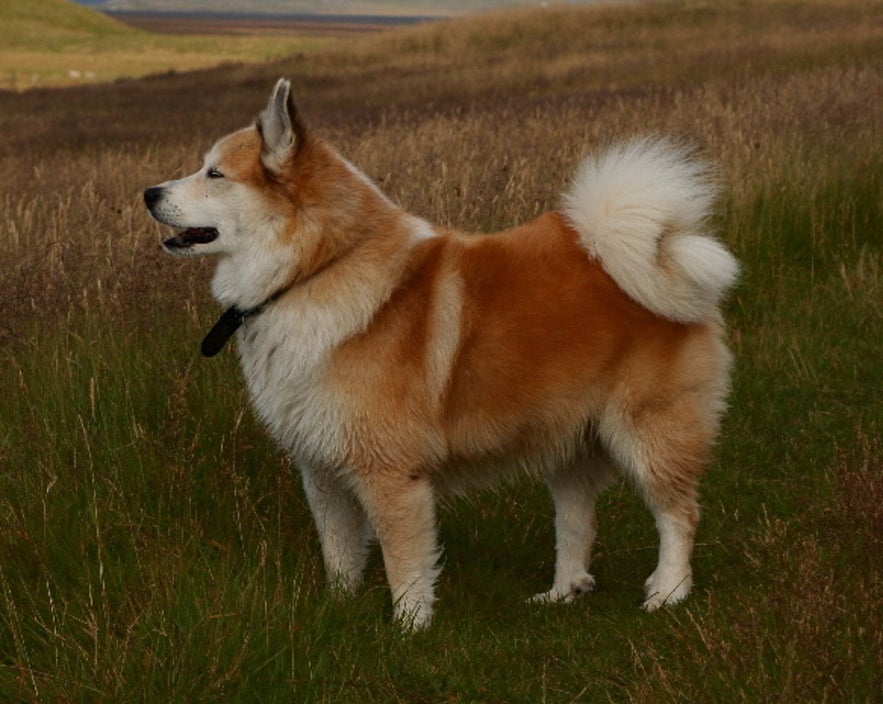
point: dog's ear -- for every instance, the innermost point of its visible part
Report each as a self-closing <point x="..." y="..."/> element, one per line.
<point x="280" y="127"/>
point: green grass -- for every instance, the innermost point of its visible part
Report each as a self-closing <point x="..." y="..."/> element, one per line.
<point x="155" y="545"/>
<point x="56" y="42"/>
<point x="50" y="24"/>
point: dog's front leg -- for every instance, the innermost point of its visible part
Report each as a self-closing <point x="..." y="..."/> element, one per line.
<point x="401" y="507"/>
<point x="343" y="527"/>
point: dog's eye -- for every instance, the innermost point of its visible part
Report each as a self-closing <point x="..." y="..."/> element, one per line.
<point x="214" y="173"/>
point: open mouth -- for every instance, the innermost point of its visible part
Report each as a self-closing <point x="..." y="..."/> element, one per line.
<point x="191" y="236"/>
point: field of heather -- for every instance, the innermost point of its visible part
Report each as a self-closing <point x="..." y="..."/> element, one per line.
<point x="155" y="546"/>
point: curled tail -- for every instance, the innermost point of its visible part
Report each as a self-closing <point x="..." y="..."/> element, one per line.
<point x="641" y="210"/>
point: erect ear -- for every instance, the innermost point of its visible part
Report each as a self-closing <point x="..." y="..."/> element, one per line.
<point x="279" y="127"/>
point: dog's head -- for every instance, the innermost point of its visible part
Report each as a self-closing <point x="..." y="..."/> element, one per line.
<point x="233" y="200"/>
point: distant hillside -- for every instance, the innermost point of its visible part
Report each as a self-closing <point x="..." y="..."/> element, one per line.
<point x="391" y="7"/>
<point x="59" y="43"/>
<point x="50" y="24"/>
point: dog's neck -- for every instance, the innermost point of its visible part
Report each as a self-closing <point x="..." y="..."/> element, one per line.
<point x="231" y="320"/>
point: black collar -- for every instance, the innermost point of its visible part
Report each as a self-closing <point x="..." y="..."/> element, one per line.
<point x="230" y="321"/>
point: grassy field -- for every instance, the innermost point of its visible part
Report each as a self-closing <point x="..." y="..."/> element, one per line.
<point x="57" y="43"/>
<point x="156" y="547"/>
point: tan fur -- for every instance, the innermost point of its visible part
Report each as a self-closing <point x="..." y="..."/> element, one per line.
<point x="395" y="365"/>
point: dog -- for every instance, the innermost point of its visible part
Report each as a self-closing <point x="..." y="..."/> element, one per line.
<point x="395" y="360"/>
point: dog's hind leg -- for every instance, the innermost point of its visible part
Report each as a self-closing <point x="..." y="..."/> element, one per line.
<point x="664" y="453"/>
<point x="574" y="488"/>
<point x="344" y="530"/>
<point x="401" y="508"/>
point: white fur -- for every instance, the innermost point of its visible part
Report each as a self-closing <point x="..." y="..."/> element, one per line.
<point x="641" y="210"/>
<point x="284" y="352"/>
<point x="672" y="579"/>
<point x="575" y="487"/>
<point x="422" y="230"/>
<point x="447" y="322"/>
<point x="344" y="529"/>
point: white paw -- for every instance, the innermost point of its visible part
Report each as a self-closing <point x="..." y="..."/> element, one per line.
<point x="566" y="593"/>
<point x="413" y="616"/>
<point x="344" y="585"/>
<point x="665" y="590"/>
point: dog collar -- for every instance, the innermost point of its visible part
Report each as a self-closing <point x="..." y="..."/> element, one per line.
<point x="230" y="321"/>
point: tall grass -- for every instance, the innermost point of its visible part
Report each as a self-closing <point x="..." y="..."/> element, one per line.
<point x="155" y="546"/>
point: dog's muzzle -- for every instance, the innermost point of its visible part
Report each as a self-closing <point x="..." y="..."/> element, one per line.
<point x="185" y="238"/>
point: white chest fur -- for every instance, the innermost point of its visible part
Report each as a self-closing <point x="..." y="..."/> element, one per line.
<point x="284" y="353"/>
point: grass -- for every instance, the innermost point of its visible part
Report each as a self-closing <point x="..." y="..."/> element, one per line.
<point x="58" y="43"/>
<point x="155" y="546"/>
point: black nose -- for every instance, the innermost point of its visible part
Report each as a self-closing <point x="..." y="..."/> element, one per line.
<point x="152" y="196"/>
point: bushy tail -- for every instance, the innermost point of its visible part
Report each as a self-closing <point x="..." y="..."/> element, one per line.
<point x="641" y="209"/>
